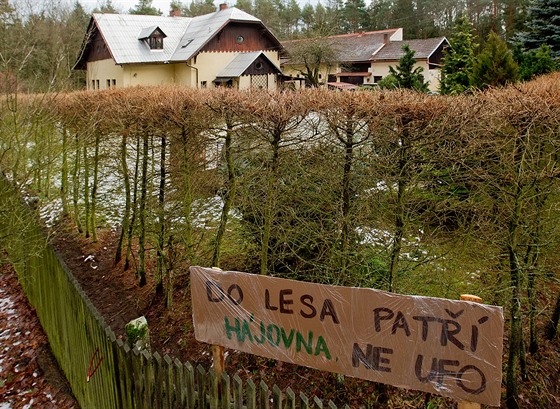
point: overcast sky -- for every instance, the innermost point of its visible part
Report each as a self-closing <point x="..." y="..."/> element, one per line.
<point x="163" y="5"/>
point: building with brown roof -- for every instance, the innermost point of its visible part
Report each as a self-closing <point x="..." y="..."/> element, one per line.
<point x="363" y="59"/>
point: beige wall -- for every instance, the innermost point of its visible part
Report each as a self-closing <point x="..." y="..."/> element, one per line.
<point x="382" y="69"/>
<point x="210" y="64"/>
<point x="98" y="72"/>
<point x="198" y="72"/>
<point x="148" y="74"/>
<point x="324" y="71"/>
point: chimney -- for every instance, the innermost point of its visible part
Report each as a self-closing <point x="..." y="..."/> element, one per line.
<point x="223" y="6"/>
<point x="175" y="12"/>
<point x="385" y="38"/>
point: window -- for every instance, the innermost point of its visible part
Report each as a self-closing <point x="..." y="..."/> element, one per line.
<point x="377" y="78"/>
<point x="239" y="39"/>
<point x="203" y="84"/>
<point x="92" y="84"/>
<point x="155" y="42"/>
<point x="96" y="84"/>
<point x="114" y="82"/>
<point x="108" y="83"/>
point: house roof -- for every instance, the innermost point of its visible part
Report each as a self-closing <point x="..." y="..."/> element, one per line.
<point x="423" y="49"/>
<point x="185" y="36"/>
<point x="202" y="28"/>
<point x="354" y="47"/>
<point x="240" y="63"/>
<point x="148" y="31"/>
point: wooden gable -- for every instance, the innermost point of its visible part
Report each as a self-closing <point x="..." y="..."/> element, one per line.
<point x="435" y="60"/>
<point x="242" y="37"/>
<point x="95" y="48"/>
<point x="261" y="66"/>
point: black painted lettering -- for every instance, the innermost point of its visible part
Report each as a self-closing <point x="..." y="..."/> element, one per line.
<point x="285" y="302"/>
<point x="372" y="359"/>
<point x="381" y="314"/>
<point x="239" y="298"/>
<point x="307" y="300"/>
<point x="267" y="304"/>
<point x="400" y="322"/>
<point x="328" y="309"/>
<point x="214" y="292"/>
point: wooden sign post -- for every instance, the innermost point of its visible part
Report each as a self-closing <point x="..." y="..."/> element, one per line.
<point x="218" y="357"/>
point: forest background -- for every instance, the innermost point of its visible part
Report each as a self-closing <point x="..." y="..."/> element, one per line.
<point x="41" y="41"/>
<point x="405" y="192"/>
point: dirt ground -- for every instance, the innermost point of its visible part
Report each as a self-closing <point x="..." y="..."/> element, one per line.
<point x="29" y="374"/>
<point x="118" y="297"/>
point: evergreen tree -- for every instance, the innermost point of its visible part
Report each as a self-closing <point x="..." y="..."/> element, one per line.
<point x="106" y="8"/>
<point x="458" y="60"/>
<point x="307" y="16"/>
<point x="145" y="7"/>
<point x="495" y="65"/>
<point x="543" y="26"/>
<point x="533" y="63"/>
<point x="245" y="5"/>
<point x="380" y="15"/>
<point x="355" y="16"/>
<point x="404" y="16"/>
<point x="405" y="75"/>
<point x="200" y="7"/>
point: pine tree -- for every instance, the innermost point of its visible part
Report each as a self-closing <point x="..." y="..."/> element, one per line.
<point x="458" y="60"/>
<point x="543" y="27"/>
<point x="405" y="75"/>
<point x="145" y="7"/>
<point x="355" y="15"/>
<point x="495" y="65"/>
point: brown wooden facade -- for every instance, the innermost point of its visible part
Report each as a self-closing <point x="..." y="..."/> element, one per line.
<point x="242" y="37"/>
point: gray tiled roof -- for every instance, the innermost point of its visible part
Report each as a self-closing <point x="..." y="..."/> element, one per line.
<point x="185" y="35"/>
<point x="423" y="49"/>
<point x="240" y="63"/>
<point x="353" y="47"/>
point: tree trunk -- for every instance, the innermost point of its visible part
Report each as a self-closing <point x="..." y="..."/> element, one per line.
<point x="161" y="262"/>
<point x="76" y="184"/>
<point x="86" y="191"/>
<point x="187" y="196"/>
<point x="269" y="202"/>
<point x="228" y="195"/>
<point x="552" y="326"/>
<point x="134" y="207"/>
<point x="126" y="216"/>
<point x="142" y="213"/>
<point x="400" y="210"/>
<point x="346" y="193"/>
<point x="64" y="173"/>
<point x="94" y="187"/>
<point x="515" y="350"/>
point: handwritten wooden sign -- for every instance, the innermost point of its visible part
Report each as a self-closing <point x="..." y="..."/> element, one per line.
<point x="446" y="347"/>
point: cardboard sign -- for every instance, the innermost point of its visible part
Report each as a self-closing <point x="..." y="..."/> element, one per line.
<point x="450" y="348"/>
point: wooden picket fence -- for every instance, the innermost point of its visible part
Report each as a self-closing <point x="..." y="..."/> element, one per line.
<point x="81" y="341"/>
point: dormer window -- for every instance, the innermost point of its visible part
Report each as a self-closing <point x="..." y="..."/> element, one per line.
<point x="153" y="36"/>
<point x="155" y="42"/>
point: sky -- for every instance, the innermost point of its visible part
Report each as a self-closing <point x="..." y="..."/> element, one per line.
<point x="163" y="5"/>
